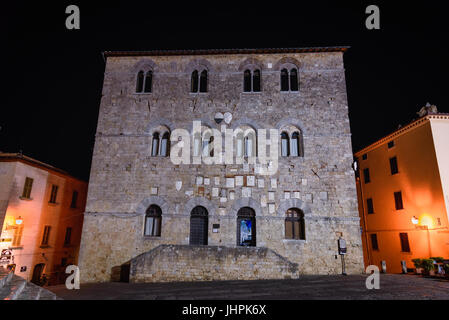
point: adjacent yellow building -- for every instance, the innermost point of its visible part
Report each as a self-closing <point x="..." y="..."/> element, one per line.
<point x="403" y="192"/>
<point x="41" y="211"/>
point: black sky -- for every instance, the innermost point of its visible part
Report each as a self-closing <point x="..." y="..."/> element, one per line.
<point x="54" y="76"/>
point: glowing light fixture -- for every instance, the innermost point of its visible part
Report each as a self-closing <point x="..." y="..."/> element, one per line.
<point x="19" y="220"/>
<point x="415" y="220"/>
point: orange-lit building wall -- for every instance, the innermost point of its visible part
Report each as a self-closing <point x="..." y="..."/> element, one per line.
<point x="423" y="196"/>
<point x="36" y="213"/>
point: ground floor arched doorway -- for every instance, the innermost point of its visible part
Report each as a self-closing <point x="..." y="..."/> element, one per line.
<point x="37" y="273"/>
<point x="246" y="227"/>
<point x="198" y="226"/>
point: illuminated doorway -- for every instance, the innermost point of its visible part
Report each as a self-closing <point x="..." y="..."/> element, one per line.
<point x="246" y="227"/>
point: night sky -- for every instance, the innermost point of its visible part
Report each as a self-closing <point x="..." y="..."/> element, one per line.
<point x="54" y="76"/>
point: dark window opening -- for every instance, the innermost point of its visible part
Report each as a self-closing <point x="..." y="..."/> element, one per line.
<point x="54" y="193"/>
<point x="68" y="236"/>
<point x="46" y="235"/>
<point x="203" y="81"/>
<point x="256" y="81"/>
<point x="374" y="244"/>
<point x="394" y="165"/>
<point x="140" y="80"/>
<point x="390" y="144"/>
<point x="284" y="80"/>
<point x="364" y="157"/>
<point x="74" y="199"/>
<point x="294" y="80"/>
<point x="370" y="206"/>
<point x="366" y="175"/>
<point x="398" y="200"/>
<point x="247" y="81"/>
<point x="165" y="145"/>
<point x="194" y="82"/>
<point x="148" y="81"/>
<point x="199" y="222"/>
<point x="405" y="245"/>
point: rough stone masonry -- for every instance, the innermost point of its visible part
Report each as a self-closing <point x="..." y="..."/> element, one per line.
<point x="204" y="202"/>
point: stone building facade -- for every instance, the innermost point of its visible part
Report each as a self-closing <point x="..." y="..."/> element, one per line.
<point x="139" y="199"/>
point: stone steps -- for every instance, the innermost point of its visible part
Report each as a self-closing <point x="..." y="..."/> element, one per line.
<point x="13" y="287"/>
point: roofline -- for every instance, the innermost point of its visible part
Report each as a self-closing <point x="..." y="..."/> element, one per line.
<point x="191" y="52"/>
<point x="401" y="131"/>
<point x="10" y="157"/>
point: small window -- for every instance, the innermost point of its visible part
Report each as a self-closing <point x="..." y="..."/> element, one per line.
<point x="366" y="175"/>
<point x="194" y="82"/>
<point x="27" y="188"/>
<point x="247" y="81"/>
<point x="405" y="246"/>
<point x="294" y="225"/>
<point x="54" y="193"/>
<point x="74" y="199"/>
<point x="295" y="145"/>
<point x="284" y="80"/>
<point x="364" y="157"/>
<point x="374" y="244"/>
<point x="285" y="150"/>
<point x="148" y="82"/>
<point x="398" y="200"/>
<point x="390" y="144"/>
<point x="153" y="221"/>
<point x="68" y="236"/>
<point x="165" y="145"/>
<point x="256" y="81"/>
<point x="294" y="80"/>
<point x="155" y="145"/>
<point x="203" y="81"/>
<point x="46" y="235"/>
<point x="140" y="80"/>
<point x="394" y="165"/>
<point x="370" y="206"/>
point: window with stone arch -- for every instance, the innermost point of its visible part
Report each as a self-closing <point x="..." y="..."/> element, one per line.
<point x="245" y="138"/>
<point x="203" y="142"/>
<point x="289" y="79"/>
<point x="294" y="224"/>
<point x="160" y="142"/>
<point x="291" y="142"/>
<point x="144" y="81"/>
<point x="199" y="81"/>
<point x="153" y="221"/>
<point x="251" y="80"/>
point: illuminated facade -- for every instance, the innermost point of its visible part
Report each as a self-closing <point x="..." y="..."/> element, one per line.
<point x="403" y="192"/>
<point x="41" y="213"/>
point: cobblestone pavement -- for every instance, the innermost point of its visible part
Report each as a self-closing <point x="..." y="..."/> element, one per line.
<point x="405" y="287"/>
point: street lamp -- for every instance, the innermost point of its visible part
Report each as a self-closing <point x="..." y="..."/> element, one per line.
<point x="415" y="220"/>
<point x="19" y="220"/>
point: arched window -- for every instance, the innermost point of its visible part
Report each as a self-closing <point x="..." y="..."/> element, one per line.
<point x="293" y="80"/>
<point x="194" y="82"/>
<point x="199" y="221"/>
<point x="247" y="81"/>
<point x="294" y="224"/>
<point x="284" y="80"/>
<point x="285" y="152"/>
<point x="155" y="145"/>
<point x="165" y="144"/>
<point x="148" y="81"/>
<point x="140" y="80"/>
<point x="249" y="145"/>
<point x="203" y="81"/>
<point x="211" y="146"/>
<point x="256" y="81"/>
<point x="239" y="145"/>
<point x="153" y="219"/>
<point x="296" y="147"/>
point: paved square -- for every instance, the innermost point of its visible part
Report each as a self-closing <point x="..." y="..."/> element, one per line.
<point x="392" y="287"/>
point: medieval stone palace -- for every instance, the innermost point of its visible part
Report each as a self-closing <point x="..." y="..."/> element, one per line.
<point x="154" y="218"/>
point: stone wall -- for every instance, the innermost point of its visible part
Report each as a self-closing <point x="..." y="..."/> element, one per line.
<point x="125" y="179"/>
<point x="167" y="263"/>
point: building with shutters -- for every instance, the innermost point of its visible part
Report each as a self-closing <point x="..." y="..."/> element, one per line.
<point x="403" y="191"/>
<point x="41" y="214"/>
<point x="157" y="220"/>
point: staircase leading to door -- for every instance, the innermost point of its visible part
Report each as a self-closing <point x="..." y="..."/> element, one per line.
<point x="167" y="263"/>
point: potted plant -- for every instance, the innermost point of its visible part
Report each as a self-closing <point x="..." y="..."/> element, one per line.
<point x="418" y="265"/>
<point x="427" y="265"/>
